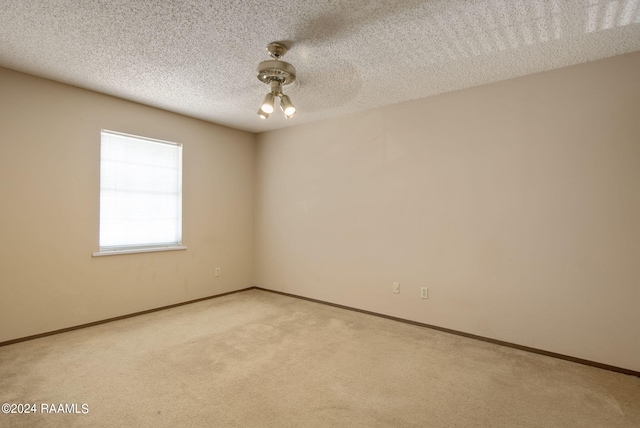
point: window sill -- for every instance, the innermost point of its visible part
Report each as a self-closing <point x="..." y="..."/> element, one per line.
<point x="138" y="250"/>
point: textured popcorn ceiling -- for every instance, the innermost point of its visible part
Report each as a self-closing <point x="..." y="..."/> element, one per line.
<point x="198" y="57"/>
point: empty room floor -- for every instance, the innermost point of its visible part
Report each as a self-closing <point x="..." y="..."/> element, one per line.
<point x="260" y="359"/>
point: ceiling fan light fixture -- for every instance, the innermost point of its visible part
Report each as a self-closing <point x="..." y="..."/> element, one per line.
<point x="276" y="74"/>
<point x="267" y="104"/>
<point x="287" y="106"/>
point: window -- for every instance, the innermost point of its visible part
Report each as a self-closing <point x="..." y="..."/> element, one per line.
<point x="140" y="194"/>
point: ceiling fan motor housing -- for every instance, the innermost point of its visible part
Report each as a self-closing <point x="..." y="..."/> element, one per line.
<point x="275" y="69"/>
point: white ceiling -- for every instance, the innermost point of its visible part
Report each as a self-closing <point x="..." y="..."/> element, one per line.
<point x="199" y="57"/>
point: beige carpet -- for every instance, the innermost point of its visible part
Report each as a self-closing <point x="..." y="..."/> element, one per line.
<point x="258" y="359"/>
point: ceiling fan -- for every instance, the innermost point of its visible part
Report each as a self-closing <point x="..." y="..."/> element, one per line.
<point x="276" y="73"/>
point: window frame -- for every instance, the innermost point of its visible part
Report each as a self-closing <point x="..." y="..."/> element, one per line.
<point x="141" y="248"/>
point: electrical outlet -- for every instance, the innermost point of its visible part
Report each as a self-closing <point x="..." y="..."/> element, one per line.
<point x="217" y="271"/>
<point x="396" y="287"/>
<point x="424" y="293"/>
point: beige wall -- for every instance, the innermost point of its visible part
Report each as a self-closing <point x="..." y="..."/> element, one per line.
<point x="49" y="193"/>
<point x="516" y="203"/>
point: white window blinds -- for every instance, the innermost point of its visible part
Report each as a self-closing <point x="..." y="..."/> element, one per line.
<point x="140" y="193"/>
